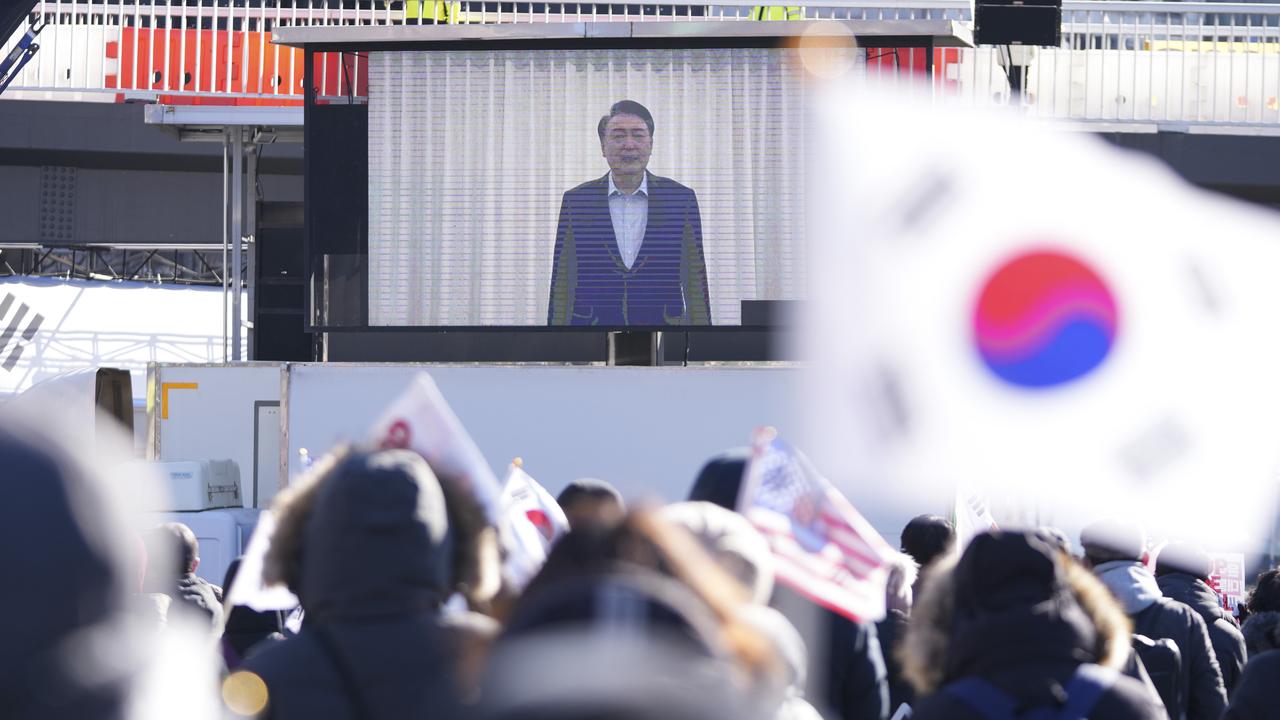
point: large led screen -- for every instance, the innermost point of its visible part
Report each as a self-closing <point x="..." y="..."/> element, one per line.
<point x="584" y="187"/>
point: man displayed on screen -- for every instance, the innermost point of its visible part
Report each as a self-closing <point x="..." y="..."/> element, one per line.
<point x="629" y="244"/>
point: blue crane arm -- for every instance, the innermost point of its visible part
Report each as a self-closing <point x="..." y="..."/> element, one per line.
<point x="11" y="18"/>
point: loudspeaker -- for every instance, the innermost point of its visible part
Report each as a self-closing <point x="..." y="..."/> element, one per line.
<point x="280" y="304"/>
<point x="1018" y="22"/>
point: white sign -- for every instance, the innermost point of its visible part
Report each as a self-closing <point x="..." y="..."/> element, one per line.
<point x="1228" y="579"/>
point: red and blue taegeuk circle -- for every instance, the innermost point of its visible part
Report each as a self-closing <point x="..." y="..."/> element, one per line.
<point x="1044" y="318"/>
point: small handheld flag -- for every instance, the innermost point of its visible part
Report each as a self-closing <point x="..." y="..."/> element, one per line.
<point x="824" y="549"/>
<point x="972" y="516"/>
<point x="531" y="521"/>
<point x="421" y="420"/>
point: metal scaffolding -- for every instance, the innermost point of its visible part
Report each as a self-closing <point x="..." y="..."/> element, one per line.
<point x="193" y="264"/>
<point x="229" y="264"/>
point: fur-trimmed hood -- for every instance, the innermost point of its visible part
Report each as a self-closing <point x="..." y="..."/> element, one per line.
<point x="366" y="535"/>
<point x="1261" y="633"/>
<point x="1010" y="601"/>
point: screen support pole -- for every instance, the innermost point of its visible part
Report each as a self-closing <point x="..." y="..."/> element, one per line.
<point x="634" y="348"/>
<point x="237" y="238"/>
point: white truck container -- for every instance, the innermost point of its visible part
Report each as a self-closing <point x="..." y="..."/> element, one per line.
<point x="219" y="411"/>
<point x="205" y="496"/>
<point x="646" y="430"/>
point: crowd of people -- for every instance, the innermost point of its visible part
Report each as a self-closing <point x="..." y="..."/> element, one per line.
<point x="671" y="613"/>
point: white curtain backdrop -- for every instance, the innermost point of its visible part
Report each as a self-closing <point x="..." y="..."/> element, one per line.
<point x="470" y="153"/>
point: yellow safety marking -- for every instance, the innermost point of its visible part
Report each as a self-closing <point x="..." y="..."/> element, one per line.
<point x="164" y="395"/>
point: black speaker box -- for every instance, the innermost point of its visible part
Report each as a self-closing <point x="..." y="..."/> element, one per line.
<point x="280" y="303"/>
<point x="1036" y="22"/>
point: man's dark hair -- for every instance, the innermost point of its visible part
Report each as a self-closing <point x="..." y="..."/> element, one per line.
<point x="720" y="480"/>
<point x="589" y="489"/>
<point x="185" y="547"/>
<point x="591" y="502"/>
<point x="926" y="537"/>
<point x="1266" y="596"/>
<point x="626" y="107"/>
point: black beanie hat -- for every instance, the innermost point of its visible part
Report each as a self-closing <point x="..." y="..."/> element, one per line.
<point x="720" y="480"/>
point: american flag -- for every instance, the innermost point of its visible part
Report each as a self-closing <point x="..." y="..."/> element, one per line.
<point x="824" y="549"/>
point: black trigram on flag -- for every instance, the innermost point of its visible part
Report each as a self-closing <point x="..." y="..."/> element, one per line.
<point x="20" y="325"/>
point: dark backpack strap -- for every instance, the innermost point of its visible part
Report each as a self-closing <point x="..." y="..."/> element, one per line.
<point x="988" y="700"/>
<point x="1084" y="691"/>
<point x="350" y="687"/>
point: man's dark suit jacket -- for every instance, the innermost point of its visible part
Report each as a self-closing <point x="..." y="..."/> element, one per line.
<point x="666" y="285"/>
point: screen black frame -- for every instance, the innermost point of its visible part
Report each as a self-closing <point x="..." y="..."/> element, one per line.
<point x="311" y="107"/>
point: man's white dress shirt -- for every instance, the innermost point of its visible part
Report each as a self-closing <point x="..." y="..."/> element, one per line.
<point x="630" y="214"/>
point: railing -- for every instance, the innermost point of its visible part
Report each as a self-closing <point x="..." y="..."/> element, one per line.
<point x="189" y="50"/>
<point x="1160" y="62"/>
<point x="1120" y="61"/>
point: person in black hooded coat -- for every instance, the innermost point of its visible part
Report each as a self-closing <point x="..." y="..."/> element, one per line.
<point x="1261" y="633"/>
<point x="1181" y="572"/>
<point x="367" y="548"/>
<point x="1256" y="697"/>
<point x="66" y="591"/>
<point x="1023" y="618"/>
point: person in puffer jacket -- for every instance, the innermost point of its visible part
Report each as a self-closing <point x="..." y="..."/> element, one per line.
<point x="617" y="641"/>
<point x="67" y="653"/>
<point x="1255" y="697"/>
<point x="1015" y="616"/>
<point x="1116" y="552"/>
<point x="1182" y="571"/>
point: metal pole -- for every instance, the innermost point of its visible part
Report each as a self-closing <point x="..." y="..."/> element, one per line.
<point x="251" y="231"/>
<point x="237" y="236"/>
<point x="226" y="140"/>
<point x="1271" y="546"/>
